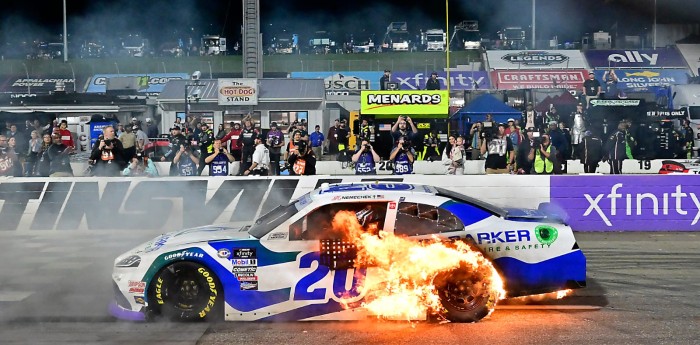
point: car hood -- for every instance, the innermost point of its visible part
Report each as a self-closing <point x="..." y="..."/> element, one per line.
<point x="192" y="235"/>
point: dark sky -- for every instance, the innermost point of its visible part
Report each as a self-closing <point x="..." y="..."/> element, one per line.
<point x="163" y="21"/>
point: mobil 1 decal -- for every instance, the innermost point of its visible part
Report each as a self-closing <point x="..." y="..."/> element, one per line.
<point x="245" y="266"/>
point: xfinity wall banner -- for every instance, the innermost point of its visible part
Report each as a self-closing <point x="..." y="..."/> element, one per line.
<point x="405" y="102"/>
<point x="542" y="79"/>
<point x="628" y="203"/>
<point x="156" y="81"/>
<point x="240" y="91"/>
<point x="535" y="59"/>
<point x="640" y="58"/>
<point x="459" y="80"/>
<point x="646" y="79"/>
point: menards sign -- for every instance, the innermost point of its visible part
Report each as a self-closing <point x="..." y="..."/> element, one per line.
<point x="408" y="102"/>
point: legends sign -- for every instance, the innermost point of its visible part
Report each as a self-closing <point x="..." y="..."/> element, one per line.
<point x="535" y="59"/>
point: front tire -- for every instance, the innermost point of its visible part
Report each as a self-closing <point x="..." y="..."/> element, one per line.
<point x="465" y="295"/>
<point x="186" y="291"/>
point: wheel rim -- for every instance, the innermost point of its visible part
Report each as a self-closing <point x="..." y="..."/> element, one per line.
<point x="185" y="293"/>
<point x="464" y="294"/>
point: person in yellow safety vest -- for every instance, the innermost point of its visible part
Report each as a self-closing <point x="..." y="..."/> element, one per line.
<point x="543" y="156"/>
<point x="431" y="147"/>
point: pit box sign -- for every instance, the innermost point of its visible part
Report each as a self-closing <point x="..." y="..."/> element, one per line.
<point x="535" y="59"/>
<point x="404" y="102"/>
<point x="237" y="91"/>
<point x="640" y="58"/>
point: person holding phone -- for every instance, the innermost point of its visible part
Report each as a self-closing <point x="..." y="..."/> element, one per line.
<point x="218" y="160"/>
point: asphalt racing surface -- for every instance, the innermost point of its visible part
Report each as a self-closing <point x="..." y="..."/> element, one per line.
<point x="643" y="289"/>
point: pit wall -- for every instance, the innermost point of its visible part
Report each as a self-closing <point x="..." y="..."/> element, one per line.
<point x="590" y="202"/>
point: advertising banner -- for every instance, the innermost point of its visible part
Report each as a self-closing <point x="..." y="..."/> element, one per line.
<point x="402" y="102"/>
<point x="640" y="58"/>
<point x="240" y="91"/>
<point x="646" y="79"/>
<point x="691" y="54"/>
<point x="459" y="80"/>
<point x="542" y="79"/>
<point x="352" y="83"/>
<point x="344" y="83"/>
<point x="19" y="86"/>
<point x="156" y="81"/>
<point x="535" y="59"/>
<point x="628" y="203"/>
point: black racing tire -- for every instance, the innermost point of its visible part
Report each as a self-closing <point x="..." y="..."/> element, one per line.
<point x="186" y="291"/>
<point x="465" y="295"/>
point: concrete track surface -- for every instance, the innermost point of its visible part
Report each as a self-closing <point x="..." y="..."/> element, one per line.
<point x="643" y="289"/>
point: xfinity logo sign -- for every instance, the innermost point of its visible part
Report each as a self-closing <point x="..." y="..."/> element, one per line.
<point x="634" y="56"/>
<point x="535" y="58"/>
<point x="616" y="202"/>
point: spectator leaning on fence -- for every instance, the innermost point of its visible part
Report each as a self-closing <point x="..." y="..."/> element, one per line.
<point x="140" y="166"/>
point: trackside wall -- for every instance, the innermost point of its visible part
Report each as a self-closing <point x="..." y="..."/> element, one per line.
<point x="591" y="203"/>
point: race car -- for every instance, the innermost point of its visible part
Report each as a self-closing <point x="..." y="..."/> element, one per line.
<point x="283" y="266"/>
<point x="680" y="167"/>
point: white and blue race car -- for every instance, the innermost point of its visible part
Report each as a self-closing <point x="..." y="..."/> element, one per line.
<point x="281" y="267"/>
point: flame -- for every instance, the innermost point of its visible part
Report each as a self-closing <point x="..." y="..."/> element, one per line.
<point x="541" y="297"/>
<point x="402" y="283"/>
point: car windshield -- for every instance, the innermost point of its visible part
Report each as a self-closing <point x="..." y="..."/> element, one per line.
<point x="274" y="218"/>
<point x="495" y="210"/>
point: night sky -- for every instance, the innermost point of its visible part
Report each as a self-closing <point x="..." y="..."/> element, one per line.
<point x="164" y="21"/>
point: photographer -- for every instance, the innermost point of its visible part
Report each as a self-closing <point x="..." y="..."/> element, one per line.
<point x="260" y="164"/>
<point x="176" y="139"/>
<point x="302" y="159"/>
<point x="218" y="160"/>
<point x="365" y="159"/>
<point x="140" y="166"/>
<point x="108" y="155"/>
<point x="400" y="129"/>
<point x="543" y="157"/>
<point x="497" y="144"/>
<point x="186" y="161"/>
<point x="402" y="157"/>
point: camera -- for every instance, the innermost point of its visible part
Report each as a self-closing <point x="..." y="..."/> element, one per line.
<point x="536" y="138"/>
<point x="301" y="147"/>
<point x="367" y="147"/>
<point x="108" y="142"/>
<point x="488" y="130"/>
<point x="196" y="75"/>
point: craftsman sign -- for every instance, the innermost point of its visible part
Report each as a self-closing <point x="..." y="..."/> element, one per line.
<point x="237" y="91"/>
<point x="542" y="79"/>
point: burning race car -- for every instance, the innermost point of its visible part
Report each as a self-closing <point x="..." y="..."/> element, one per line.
<point x="352" y="251"/>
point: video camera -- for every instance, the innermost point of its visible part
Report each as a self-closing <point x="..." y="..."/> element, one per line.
<point x="536" y="138"/>
<point x="489" y="129"/>
<point x="302" y="147"/>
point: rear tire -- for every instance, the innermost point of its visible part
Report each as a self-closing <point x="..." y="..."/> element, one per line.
<point x="186" y="291"/>
<point x="465" y="295"/>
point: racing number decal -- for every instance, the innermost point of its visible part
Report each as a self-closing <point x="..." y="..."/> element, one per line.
<point x="303" y="290"/>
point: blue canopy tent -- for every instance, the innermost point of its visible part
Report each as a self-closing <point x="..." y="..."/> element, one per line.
<point x="477" y="109"/>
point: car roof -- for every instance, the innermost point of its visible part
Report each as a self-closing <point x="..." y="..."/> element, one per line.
<point x="363" y="188"/>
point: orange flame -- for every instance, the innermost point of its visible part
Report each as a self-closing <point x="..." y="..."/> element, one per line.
<point x="402" y="283"/>
<point x="541" y="297"/>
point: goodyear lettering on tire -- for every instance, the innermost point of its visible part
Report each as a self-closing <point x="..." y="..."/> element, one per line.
<point x="212" y="289"/>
